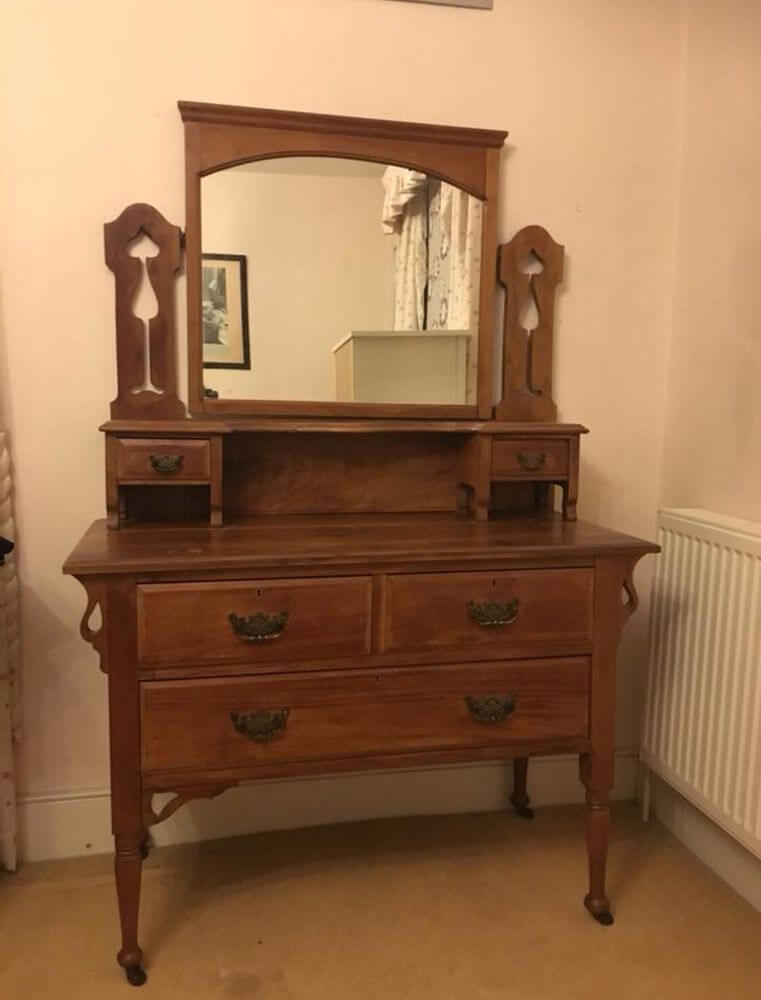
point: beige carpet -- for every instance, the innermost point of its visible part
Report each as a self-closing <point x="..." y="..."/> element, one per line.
<point x="464" y="907"/>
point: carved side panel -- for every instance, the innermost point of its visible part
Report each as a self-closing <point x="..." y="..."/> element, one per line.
<point x="146" y="369"/>
<point x="528" y="324"/>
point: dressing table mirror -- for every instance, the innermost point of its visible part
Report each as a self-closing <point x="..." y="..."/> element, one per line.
<point x="348" y="281"/>
<point x="347" y="556"/>
<point x="363" y="243"/>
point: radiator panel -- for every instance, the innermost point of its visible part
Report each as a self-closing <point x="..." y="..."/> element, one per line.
<point x="703" y="704"/>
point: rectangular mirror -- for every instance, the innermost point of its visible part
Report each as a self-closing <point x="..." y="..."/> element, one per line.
<point x="339" y="266"/>
<point x="337" y="280"/>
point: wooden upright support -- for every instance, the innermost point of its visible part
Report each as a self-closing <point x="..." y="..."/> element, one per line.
<point x="147" y="379"/>
<point x="527" y="354"/>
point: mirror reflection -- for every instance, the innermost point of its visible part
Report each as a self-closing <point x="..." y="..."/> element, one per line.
<point x="329" y="279"/>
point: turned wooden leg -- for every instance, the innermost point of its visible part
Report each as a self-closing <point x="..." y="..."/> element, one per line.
<point x="519" y="799"/>
<point x="598" y="833"/>
<point x="128" y="869"/>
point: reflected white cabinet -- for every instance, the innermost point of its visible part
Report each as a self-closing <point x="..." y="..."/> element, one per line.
<point x="396" y="366"/>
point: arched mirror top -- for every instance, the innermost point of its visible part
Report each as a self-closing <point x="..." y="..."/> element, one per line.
<point x="330" y="154"/>
<point x="227" y="136"/>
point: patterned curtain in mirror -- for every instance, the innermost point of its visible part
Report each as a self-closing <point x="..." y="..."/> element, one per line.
<point x="9" y="667"/>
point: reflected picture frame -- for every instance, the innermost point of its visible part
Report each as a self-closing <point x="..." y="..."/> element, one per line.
<point x="224" y="296"/>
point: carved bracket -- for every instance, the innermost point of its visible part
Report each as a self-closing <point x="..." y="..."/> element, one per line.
<point x="527" y="353"/>
<point x="181" y="796"/>
<point x="146" y="372"/>
<point x="631" y="603"/>
<point x="95" y="590"/>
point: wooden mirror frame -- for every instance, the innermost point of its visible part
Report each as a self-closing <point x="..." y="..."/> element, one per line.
<point x="219" y="136"/>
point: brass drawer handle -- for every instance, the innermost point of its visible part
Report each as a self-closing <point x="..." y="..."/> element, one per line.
<point x="491" y="709"/>
<point x="166" y="464"/>
<point x="494" y="612"/>
<point x="531" y="460"/>
<point x="258" y="627"/>
<point x="261" y="727"/>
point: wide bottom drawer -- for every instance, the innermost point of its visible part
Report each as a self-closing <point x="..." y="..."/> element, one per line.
<point x="206" y="725"/>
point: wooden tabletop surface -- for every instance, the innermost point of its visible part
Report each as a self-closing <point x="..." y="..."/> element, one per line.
<point x="341" y="539"/>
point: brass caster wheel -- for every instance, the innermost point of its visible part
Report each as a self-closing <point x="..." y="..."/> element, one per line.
<point x="135" y="975"/>
<point x="525" y="812"/>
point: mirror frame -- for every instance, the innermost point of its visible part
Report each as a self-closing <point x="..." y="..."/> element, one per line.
<point x="219" y="136"/>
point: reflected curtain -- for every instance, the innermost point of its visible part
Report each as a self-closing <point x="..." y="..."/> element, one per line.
<point x="438" y="251"/>
<point x="405" y="214"/>
<point x="9" y="671"/>
<point x="454" y="258"/>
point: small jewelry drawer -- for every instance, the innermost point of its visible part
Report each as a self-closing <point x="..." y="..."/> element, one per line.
<point x="155" y="460"/>
<point x="529" y="458"/>
<point x="519" y="608"/>
<point x="235" y="723"/>
<point x="249" y="621"/>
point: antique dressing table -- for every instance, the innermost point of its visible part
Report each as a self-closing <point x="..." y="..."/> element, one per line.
<point x="308" y="574"/>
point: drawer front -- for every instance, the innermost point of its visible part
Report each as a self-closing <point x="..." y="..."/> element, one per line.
<point x="529" y="458"/>
<point x="273" y="620"/>
<point x="239" y="722"/>
<point x="162" y="461"/>
<point x="425" y="611"/>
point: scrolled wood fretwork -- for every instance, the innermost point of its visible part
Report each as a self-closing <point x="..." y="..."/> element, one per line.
<point x="95" y="590"/>
<point x="527" y="354"/>
<point x="147" y="380"/>
<point x="630" y="605"/>
<point x="181" y="796"/>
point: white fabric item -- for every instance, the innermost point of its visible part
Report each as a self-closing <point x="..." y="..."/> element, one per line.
<point x="455" y="260"/>
<point x="9" y="671"/>
<point x="401" y="187"/>
<point x="405" y="214"/>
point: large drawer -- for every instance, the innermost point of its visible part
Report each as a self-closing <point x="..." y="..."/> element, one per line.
<point x="425" y="611"/>
<point x="231" y="723"/>
<point x="253" y="621"/>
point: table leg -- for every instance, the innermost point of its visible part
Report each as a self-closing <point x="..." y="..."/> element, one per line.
<point x="519" y="799"/>
<point x="128" y="866"/>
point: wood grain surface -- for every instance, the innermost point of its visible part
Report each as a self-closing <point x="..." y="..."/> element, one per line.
<point x="187" y="724"/>
<point x="189" y="622"/>
<point x="324" y="542"/>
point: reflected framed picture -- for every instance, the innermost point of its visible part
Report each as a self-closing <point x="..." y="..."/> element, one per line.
<point x="224" y="306"/>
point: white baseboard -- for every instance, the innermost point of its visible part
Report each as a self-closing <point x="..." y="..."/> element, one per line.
<point x="62" y="824"/>
<point x="725" y="856"/>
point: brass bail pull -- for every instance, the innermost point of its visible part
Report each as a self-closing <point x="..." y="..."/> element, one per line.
<point x="493" y="612"/>
<point x="261" y="727"/>
<point x="490" y="709"/>
<point x="258" y="627"/>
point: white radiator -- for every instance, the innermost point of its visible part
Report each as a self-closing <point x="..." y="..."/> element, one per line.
<point x="702" y="725"/>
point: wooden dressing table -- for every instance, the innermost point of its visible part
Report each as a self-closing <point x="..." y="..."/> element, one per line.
<point x="292" y="588"/>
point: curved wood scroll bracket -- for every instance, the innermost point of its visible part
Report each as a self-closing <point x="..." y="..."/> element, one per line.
<point x="630" y="605"/>
<point x="95" y="590"/>
<point x="527" y="353"/>
<point x="147" y="373"/>
<point x="181" y="796"/>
